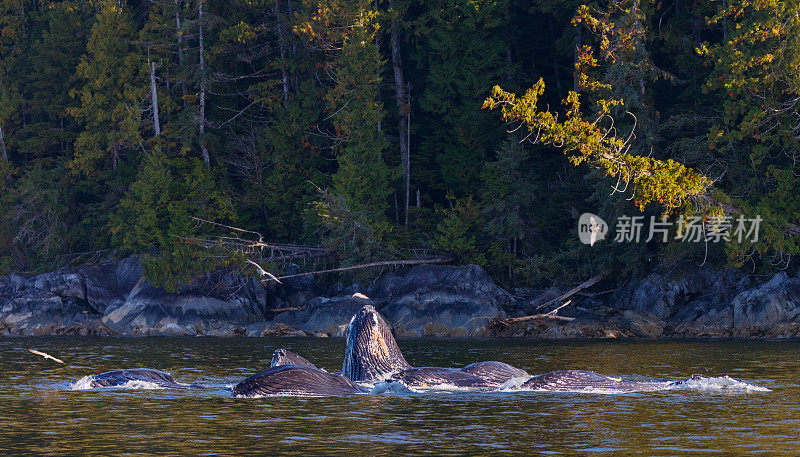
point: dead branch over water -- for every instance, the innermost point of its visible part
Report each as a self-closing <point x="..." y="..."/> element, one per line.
<point x="252" y="244"/>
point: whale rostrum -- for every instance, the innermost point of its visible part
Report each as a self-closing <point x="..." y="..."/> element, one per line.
<point x="371" y="354"/>
<point x="286" y="357"/>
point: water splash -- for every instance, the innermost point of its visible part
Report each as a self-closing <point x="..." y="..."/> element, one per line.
<point x="85" y="383"/>
<point x="719" y="383"/>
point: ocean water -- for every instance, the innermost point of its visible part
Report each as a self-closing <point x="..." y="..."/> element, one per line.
<point x="44" y="411"/>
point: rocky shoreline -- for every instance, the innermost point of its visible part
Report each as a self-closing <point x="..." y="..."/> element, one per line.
<point x="113" y="298"/>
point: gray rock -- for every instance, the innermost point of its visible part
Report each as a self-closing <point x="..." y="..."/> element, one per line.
<point x="40" y="312"/>
<point x="323" y="315"/>
<point x="437" y="300"/>
<point x="128" y="273"/>
<point x="664" y="297"/>
<point x="532" y="304"/>
<point x="644" y="324"/>
<point x="776" y="301"/>
<point x="151" y="311"/>
<point x="63" y="283"/>
<point x="101" y="286"/>
<point x="299" y="290"/>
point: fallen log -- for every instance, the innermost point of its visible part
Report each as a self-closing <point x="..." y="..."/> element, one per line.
<point x="386" y="263"/>
<point x="551" y="315"/>
<point x="283" y="310"/>
<point x="537" y="316"/>
<point x="588" y="283"/>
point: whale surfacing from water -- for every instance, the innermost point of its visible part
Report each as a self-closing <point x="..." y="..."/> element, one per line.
<point x="587" y="381"/>
<point x="371" y="354"/>
<point x="296" y="381"/>
<point x="286" y="357"/>
<point x="119" y="378"/>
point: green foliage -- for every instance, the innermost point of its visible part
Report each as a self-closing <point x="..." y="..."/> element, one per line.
<point x="361" y="184"/>
<point x="463" y="54"/>
<point x="155" y="217"/>
<point x="112" y="93"/>
<point x="37" y="220"/>
<point x="457" y="234"/>
<point x="301" y="127"/>
<point x="756" y="77"/>
<point x="663" y="181"/>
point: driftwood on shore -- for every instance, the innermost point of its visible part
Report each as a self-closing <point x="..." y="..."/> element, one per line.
<point x="588" y="283"/>
<point x="504" y="323"/>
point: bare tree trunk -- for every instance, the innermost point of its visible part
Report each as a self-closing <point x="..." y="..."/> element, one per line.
<point x="509" y="75"/>
<point x="403" y="111"/>
<point x="184" y="91"/>
<point x="284" y="77"/>
<point x="378" y="72"/>
<point x="578" y="44"/>
<point x="3" y="144"/>
<point x="154" y="97"/>
<point x="725" y="21"/>
<point x="555" y="59"/>
<point x="202" y="120"/>
<point x="295" y="77"/>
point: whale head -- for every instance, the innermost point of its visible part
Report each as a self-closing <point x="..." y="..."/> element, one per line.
<point x="372" y="354"/>
<point x="286" y="357"/>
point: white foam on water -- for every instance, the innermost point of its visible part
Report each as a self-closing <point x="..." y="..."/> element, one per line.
<point x="720" y="383"/>
<point x="85" y="383"/>
<point x="443" y="387"/>
<point x="514" y="384"/>
<point x="140" y="385"/>
<point x="389" y="387"/>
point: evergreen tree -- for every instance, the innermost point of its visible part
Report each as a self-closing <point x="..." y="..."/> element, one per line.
<point x="112" y="95"/>
<point x="345" y="31"/>
<point x="463" y="54"/>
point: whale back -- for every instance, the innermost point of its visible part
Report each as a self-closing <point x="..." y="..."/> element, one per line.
<point x="120" y="377"/>
<point x="577" y="380"/>
<point x="286" y="357"/>
<point x="441" y="378"/>
<point x="295" y="381"/>
<point x="371" y="354"/>
<point x="496" y="372"/>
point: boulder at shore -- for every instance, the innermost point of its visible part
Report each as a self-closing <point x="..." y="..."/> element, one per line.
<point x="113" y="298"/>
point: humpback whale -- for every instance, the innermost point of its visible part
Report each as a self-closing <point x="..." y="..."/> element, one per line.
<point x="496" y="372"/>
<point x="577" y="380"/>
<point x="433" y="377"/>
<point x="286" y="357"/>
<point x="117" y="378"/>
<point x="372" y="356"/>
<point x="296" y="381"/>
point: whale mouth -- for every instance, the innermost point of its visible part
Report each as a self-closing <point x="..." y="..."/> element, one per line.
<point x="372" y="354"/>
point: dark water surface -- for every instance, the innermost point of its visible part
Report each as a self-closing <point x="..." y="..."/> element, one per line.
<point x="40" y="415"/>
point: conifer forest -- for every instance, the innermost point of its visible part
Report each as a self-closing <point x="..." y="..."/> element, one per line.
<point x="390" y="130"/>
